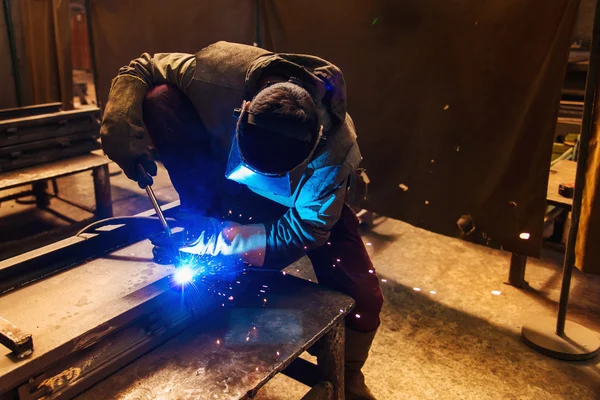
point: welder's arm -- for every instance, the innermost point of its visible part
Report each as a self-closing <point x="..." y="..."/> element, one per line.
<point x="122" y="131"/>
<point x="307" y="226"/>
<point x="278" y="244"/>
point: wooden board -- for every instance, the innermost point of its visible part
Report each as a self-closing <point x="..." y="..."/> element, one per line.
<point x="561" y="172"/>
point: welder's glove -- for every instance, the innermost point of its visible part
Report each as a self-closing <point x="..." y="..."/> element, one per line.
<point x="206" y="237"/>
<point x="122" y="131"/>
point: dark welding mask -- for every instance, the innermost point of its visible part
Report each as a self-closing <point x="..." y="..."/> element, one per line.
<point x="243" y="169"/>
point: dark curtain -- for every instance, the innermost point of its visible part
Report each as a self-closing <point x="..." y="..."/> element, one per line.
<point x="455" y="101"/>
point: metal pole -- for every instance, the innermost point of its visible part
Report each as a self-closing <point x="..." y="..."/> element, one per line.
<point x="88" y="17"/>
<point x="588" y="125"/>
<point x="13" y="52"/>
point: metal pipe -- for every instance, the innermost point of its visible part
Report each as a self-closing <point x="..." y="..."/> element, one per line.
<point x="588" y="125"/>
<point x="88" y="17"/>
<point x="13" y="52"/>
<point x="159" y="212"/>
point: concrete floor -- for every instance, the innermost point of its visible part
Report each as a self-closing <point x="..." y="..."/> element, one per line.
<point x="452" y="339"/>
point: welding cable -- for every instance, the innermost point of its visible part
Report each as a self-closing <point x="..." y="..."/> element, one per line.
<point x="118" y="221"/>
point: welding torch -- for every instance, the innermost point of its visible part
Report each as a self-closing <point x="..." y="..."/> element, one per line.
<point x="154" y="202"/>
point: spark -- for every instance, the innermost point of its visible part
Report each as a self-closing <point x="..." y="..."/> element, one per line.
<point x="229" y="212"/>
<point x="525" y="236"/>
<point x="447" y="106"/>
<point x="403" y="187"/>
<point x="254" y="328"/>
<point x="247" y="338"/>
<point x="277" y="353"/>
<point x="496" y="292"/>
<point x="341" y="311"/>
<point x="310" y="280"/>
<point x="249" y="218"/>
<point x="257" y="368"/>
<point x="283" y="272"/>
<point x="338" y="260"/>
<point x="305" y="247"/>
<point x="432" y="292"/>
<point x="328" y="243"/>
<point x="384" y="280"/>
<point x="432" y="161"/>
<point x="230" y="297"/>
<point x="426" y="201"/>
<point x="416" y="289"/>
<point x="368" y="244"/>
<point x="457" y="148"/>
<point x="240" y="215"/>
<point x="357" y="315"/>
<point x="370" y="271"/>
<point x="218" y="341"/>
<point x="264" y="300"/>
<point x="265" y="286"/>
<point x="184" y="275"/>
<point x="262" y="291"/>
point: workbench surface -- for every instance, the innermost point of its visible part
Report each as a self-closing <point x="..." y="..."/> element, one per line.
<point x="236" y="350"/>
<point x="60" y="310"/>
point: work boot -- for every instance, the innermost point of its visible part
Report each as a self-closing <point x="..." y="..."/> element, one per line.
<point x="357" y="351"/>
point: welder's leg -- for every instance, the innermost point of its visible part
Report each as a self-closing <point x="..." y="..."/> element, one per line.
<point x="344" y="265"/>
<point x="183" y="146"/>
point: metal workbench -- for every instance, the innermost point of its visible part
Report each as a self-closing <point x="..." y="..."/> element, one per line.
<point x="107" y="308"/>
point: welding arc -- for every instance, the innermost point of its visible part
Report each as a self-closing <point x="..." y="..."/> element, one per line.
<point x="118" y="221"/>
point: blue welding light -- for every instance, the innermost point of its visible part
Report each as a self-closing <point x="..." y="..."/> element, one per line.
<point x="184" y="275"/>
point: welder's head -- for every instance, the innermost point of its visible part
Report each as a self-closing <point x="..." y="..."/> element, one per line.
<point x="277" y="134"/>
<point x="280" y="129"/>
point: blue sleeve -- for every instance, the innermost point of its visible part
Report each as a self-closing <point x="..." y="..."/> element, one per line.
<point x="306" y="226"/>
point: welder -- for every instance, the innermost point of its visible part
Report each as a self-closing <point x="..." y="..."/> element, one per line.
<point x="261" y="150"/>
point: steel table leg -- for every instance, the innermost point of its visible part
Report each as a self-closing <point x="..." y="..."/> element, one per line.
<point x="516" y="274"/>
<point x="331" y="359"/>
<point x="102" y="192"/>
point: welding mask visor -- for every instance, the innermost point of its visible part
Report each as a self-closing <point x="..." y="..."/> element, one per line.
<point x="253" y="168"/>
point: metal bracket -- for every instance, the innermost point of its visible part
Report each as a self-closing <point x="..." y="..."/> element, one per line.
<point x="15" y="339"/>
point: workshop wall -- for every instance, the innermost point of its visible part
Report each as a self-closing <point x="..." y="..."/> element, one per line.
<point x="124" y="29"/>
<point x="455" y="103"/>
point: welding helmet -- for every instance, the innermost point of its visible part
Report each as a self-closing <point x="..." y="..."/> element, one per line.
<point x="252" y="168"/>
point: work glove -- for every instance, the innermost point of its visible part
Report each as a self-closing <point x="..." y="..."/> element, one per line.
<point x="207" y="238"/>
<point x="122" y="131"/>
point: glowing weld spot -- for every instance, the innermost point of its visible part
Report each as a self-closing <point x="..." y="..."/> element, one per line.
<point x="184" y="275"/>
